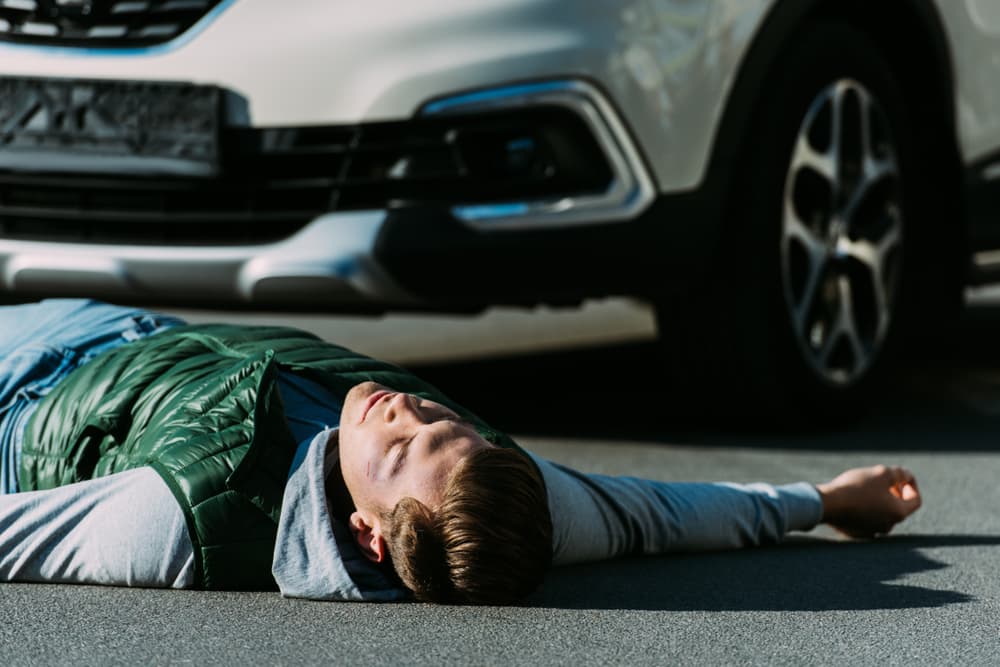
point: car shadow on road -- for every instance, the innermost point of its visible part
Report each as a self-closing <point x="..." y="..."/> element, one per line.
<point x="944" y="399"/>
<point x="805" y="574"/>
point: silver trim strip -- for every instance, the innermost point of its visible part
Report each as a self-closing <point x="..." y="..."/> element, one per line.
<point x="631" y="189"/>
<point x="983" y="295"/>
<point x="987" y="260"/>
<point x="330" y="260"/>
<point x="991" y="172"/>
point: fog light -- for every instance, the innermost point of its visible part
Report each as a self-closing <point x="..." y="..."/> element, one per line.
<point x="523" y="157"/>
<point x="537" y="153"/>
<point x="497" y="153"/>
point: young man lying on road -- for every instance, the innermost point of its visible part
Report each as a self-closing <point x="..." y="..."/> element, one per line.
<point x="136" y="450"/>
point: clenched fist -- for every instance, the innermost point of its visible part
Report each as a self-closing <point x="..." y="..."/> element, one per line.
<point x="864" y="502"/>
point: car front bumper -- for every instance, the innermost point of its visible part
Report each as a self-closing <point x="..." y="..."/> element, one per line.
<point x="355" y="258"/>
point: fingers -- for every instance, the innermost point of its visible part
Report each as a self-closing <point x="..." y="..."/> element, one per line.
<point x="910" y="493"/>
<point x="901" y="477"/>
<point x="906" y="494"/>
<point x="905" y="488"/>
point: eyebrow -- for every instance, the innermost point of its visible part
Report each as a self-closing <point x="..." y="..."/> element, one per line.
<point x="453" y="432"/>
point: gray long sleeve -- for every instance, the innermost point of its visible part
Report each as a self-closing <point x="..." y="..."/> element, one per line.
<point x="124" y="529"/>
<point x="595" y="517"/>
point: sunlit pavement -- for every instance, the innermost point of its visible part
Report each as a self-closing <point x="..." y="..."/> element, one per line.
<point x="420" y="338"/>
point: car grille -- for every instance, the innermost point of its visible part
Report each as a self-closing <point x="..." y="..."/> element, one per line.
<point x="274" y="181"/>
<point x="98" y="23"/>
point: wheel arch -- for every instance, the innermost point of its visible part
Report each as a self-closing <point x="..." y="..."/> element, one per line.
<point x="906" y="28"/>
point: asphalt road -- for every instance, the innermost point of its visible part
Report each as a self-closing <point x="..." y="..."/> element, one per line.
<point x="929" y="594"/>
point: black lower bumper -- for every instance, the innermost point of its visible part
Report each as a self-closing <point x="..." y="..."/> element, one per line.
<point x="443" y="262"/>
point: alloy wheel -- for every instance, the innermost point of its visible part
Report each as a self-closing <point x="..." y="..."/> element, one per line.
<point x="842" y="232"/>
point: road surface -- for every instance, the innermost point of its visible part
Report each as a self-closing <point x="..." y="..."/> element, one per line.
<point x="929" y="594"/>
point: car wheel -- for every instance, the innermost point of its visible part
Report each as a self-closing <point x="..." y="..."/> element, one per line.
<point x="842" y="233"/>
<point x="797" y="320"/>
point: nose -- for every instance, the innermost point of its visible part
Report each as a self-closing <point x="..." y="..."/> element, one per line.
<point x="401" y="408"/>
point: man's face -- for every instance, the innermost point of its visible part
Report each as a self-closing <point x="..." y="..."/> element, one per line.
<point x="395" y="445"/>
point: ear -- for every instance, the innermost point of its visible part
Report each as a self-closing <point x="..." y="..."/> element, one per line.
<point x="368" y="535"/>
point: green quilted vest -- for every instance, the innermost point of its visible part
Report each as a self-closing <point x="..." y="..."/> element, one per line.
<point x="199" y="404"/>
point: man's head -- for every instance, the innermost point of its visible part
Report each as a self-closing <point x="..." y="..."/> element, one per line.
<point x="461" y="519"/>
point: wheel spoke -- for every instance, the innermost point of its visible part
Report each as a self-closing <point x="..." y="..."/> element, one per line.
<point x="875" y="258"/>
<point x="849" y="325"/>
<point x="815" y="250"/>
<point x="889" y="242"/>
<point x="805" y="155"/>
<point x="862" y="250"/>
<point x="844" y="327"/>
<point x="876" y="166"/>
<point x="838" y="94"/>
<point x="873" y="255"/>
<point x="802" y="309"/>
<point x="874" y="174"/>
<point x="797" y="230"/>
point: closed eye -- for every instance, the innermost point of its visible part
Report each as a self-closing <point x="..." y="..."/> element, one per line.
<point x="400" y="458"/>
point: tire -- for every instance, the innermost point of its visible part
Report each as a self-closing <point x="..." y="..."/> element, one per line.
<point x="799" y="319"/>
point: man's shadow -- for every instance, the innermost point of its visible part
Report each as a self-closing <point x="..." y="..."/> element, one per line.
<point x="803" y="574"/>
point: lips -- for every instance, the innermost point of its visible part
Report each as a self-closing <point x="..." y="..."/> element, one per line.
<point x="370" y="403"/>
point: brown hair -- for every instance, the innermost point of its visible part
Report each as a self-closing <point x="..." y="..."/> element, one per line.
<point x="488" y="542"/>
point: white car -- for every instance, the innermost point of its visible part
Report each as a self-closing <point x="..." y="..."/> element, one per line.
<point x="795" y="183"/>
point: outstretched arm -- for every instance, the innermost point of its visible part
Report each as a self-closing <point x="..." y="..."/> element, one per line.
<point x="597" y="516"/>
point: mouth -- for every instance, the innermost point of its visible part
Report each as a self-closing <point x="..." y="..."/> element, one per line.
<point x="370" y="403"/>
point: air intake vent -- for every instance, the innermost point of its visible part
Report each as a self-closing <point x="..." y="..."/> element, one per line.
<point x="98" y="23"/>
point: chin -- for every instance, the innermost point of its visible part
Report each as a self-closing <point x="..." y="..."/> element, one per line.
<point x="356" y="396"/>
